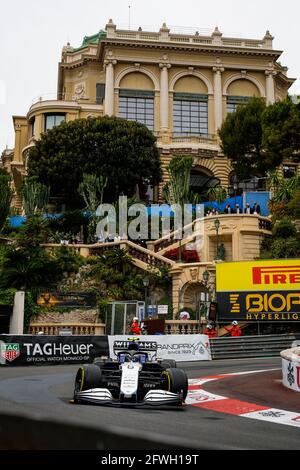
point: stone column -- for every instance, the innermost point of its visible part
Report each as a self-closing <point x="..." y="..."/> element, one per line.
<point x="109" y="87"/>
<point x="17" y="320"/>
<point x="18" y="149"/>
<point x="270" y="86"/>
<point x="164" y="96"/>
<point x="218" y="97"/>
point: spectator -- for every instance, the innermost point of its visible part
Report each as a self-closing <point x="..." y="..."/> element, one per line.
<point x="234" y="330"/>
<point x="135" y="327"/>
<point x="210" y="331"/>
<point x="228" y="209"/>
<point x="238" y="209"/>
<point x="248" y="209"/>
<point x="256" y="209"/>
<point x="184" y="315"/>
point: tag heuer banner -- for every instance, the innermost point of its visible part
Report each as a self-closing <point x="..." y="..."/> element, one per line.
<point x="51" y="350"/>
<point x="259" y="291"/>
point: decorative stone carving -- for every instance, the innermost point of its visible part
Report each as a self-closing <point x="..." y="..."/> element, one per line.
<point x="79" y="92"/>
<point x="194" y="274"/>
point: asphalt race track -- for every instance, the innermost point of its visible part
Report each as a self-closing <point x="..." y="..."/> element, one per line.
<point x="44" y="393"/>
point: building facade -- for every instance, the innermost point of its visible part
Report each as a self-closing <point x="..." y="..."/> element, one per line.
<point x="180" y="86"/>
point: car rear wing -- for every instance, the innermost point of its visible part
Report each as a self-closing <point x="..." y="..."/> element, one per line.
<point x="143" y="346"/>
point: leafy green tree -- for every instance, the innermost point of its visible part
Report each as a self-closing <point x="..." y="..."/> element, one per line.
<point x="117" y="277"/>
<point x="293" y="207"/>
<point x="5" y="198"/>
<point x="124" y="152"/>
<point x="284" y="243"/>
<point x="241" y="140"/>
<point x="67" y="225"/>
<point x="28" y="266"/>
<point x="28" y="270"/>
<point x="284" y="228"/>
<point x="281" y="131"/>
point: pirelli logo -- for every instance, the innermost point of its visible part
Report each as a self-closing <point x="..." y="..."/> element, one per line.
<point x="280" y="275"/>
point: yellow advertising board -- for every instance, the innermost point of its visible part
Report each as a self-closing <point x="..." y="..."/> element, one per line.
<point x="259" y="290"/>
<point x="258" y="276"/>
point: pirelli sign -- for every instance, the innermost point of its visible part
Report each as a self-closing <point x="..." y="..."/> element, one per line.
<point x="259" y="291"/>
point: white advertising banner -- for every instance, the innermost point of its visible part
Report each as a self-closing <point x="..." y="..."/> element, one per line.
<point x="182" y="348"/>
<point x="291" y="373"/>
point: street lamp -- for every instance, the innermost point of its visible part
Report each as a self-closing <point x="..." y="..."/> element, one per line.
<point x="235" y="187"/>
<point x="146" y="283"/>
<point x="205" y="277"/>
<point x="217" y="226"/>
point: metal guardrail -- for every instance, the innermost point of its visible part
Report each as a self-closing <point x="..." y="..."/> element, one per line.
<point x="251" y="346"/>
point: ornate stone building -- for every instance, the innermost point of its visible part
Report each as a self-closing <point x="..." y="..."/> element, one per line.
<point x="181" y="86"/>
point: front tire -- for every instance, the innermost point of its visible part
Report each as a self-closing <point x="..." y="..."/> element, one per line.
<point x="177" y="381"/>
<point x="87" y="377"/>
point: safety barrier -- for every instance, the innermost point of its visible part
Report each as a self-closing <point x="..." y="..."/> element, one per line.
<point x="251" y="346"/>
<point x="291" y="368"/>
<point x="37" y="350"/>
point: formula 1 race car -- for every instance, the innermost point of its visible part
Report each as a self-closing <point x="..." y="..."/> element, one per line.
<point x="133" y="379"/>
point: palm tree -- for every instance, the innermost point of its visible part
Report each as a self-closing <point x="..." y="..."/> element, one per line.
<point x="285" y="189"/>
<point x="218" y="194"/>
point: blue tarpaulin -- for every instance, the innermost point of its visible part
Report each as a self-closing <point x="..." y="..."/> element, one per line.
<point x="164" y="210"/>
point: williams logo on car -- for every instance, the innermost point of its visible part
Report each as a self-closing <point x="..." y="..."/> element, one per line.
<point x="10" y="351"/>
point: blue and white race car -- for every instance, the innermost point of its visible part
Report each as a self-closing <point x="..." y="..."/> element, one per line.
<point x="133" y="379"/>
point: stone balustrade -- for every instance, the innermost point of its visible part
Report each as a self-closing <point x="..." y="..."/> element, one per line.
<point x="172" y="327"/>
<point x="183" y="327"/>
<point x="52" y="329"/>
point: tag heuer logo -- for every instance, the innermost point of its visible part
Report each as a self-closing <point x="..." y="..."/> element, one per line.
<point x="10" y="352"/>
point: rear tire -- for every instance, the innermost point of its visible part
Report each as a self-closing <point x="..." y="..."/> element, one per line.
<point x="177" y="381"/>
<point x="87" y="377"/>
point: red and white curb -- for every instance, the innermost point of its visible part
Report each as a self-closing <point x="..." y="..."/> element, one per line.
<point x="200" y="398"/>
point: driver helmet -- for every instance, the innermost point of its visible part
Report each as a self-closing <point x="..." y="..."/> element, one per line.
<point x="209" y="327"/>
<point x="235" y="323"/>
<point x="135" y="318"/>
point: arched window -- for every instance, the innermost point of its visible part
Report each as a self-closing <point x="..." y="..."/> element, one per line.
<point x="190" y="107"/>
<point x="239" y="93"/>
<point x="136" y="99"/>
<point x="201" y="181"/>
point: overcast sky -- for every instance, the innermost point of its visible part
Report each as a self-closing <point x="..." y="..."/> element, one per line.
<point x="33" y="32"/>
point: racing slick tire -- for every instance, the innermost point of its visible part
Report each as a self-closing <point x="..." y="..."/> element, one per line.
<point x="87" y="377"/>
<point x="177" y="381"/>
<point x="168" y="364"/>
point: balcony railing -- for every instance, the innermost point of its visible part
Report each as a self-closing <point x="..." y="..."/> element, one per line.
<point x="194" y="138"/>
<point x="63" y="97"/>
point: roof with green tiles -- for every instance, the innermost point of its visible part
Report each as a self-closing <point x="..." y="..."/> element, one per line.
<point x="88" y="40"/>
